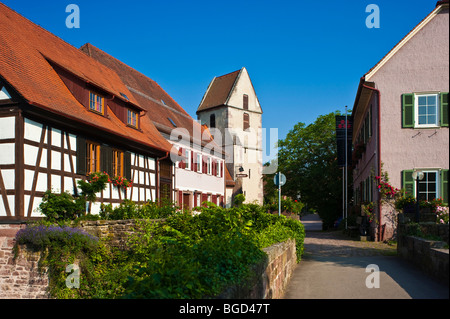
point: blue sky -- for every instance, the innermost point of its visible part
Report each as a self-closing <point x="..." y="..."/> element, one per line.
<point x="305" y="58"/>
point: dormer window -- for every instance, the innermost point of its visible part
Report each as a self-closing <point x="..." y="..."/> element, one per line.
<point x="96" y="103"/>
<point x="132" y="118"/>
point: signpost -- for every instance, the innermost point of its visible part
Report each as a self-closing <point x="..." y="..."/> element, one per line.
<point x="279" y="180"/>
<point x="344" y="132"/>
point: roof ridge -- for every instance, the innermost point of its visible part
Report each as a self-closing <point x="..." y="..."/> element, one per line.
<point x="90" y="46"/>
<point x="404" y="39"/>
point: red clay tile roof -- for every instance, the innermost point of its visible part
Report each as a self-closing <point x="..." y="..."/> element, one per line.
<point x="26" y="50"/>
<point x="160" y="106"/>
<point x="218" y="91"/>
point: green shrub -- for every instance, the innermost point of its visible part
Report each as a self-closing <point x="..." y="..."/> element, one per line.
<point x="238" y="200"/>
<point x="130" y="210"/>
<point x="60" y="207"/>
<point x="186" y="256"/>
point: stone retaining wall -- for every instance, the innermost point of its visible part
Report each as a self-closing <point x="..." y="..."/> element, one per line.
<point x="20" y="278"/>
<point x="270" y="276"/>
<point x="428" y="255"/>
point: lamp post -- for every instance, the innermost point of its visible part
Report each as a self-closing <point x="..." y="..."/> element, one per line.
<point x="418" y="176"/>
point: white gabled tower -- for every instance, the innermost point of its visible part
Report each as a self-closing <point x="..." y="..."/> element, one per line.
<point x="231" y="105"/>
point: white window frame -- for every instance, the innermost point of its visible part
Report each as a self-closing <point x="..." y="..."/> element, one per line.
<point x="416" y="110"/>
<point x="187" y="154"/>
<point x="199" y="162"/>
<point x="438" y="182"/>
<point x="218" y="168"/>
<point x="209" y="163"/>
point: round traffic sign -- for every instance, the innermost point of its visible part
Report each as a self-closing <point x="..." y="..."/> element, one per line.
<point x="281" y="177"/>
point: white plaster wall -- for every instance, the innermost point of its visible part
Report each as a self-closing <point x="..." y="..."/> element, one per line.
<point x="8" y="127"/>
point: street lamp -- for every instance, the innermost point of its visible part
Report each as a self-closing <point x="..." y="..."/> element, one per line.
<point x="418" y="176"/>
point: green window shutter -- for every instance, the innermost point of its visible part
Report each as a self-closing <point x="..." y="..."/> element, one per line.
<point x="408" y="182"/>
<point x="81" y="155"/>
<point x="127" y="165"/>
<point x="408" y="110"/>
<point x="444" y="186"/>
<point x="106" y="159"/>
<point x="444" y="109"/>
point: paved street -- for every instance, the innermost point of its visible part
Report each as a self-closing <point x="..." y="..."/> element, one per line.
<point x="334" y="267"/>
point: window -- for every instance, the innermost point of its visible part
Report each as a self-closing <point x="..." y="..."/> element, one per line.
<point x="132" y="118"/>
<point x="164" y="190"/>
<point x="117" y="163"/>
<point x="246" y="123"/>
<point x="428" y="186"/>
<point x="199" y="163"/>
<point x="425" y="110"/>
<point x="92" y="157"/>
<point x="218" y="169"/>
<point x="187" y="154"/>
<point x="212" y="120"/>
<point x="426" y="114"/>
<point x="209" y="166"/>
<point x="245" y="102"/>
<point x="434" y="184"/>
<point x="96" y="103"/>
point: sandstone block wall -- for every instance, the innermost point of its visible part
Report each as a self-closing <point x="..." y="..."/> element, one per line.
<point x="19" y="277"/>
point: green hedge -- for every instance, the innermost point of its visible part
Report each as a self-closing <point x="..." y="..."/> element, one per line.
<point x="187" y="256"/>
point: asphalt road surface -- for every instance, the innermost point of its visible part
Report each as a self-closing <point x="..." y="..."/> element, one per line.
<point x="335" y="266"/>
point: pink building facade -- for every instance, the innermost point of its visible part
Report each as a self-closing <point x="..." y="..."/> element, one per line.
<point x="401" y="119"/>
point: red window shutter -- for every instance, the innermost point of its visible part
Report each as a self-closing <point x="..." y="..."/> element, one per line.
<point x="180" y="163"/>
<point x="214" y="199"/>
<point x="192" y="160"/>
<point x="180" y="198"/>
<point x="195" y="199"/>
<point x="221" y="169"/>
<point x="246" y="121"/>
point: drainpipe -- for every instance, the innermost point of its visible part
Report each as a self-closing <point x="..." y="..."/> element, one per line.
<point x="378" y="151"/>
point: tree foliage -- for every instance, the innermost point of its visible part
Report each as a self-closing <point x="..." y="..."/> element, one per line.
<point x="308" y="158"/>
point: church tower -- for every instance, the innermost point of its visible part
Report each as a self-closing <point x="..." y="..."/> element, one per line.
<point x="231" y="108"/>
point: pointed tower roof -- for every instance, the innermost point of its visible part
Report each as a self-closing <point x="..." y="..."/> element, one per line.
<point x="219" y="90"/>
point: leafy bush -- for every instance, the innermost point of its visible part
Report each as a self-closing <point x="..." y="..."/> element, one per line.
<point x="57" y="207"/>
<point x="130" y="210"/>
<point x="405" y="201"/>
<point x="186" y="256"/>
<point x="198" y="256"/>
<point x="239" y="199"/>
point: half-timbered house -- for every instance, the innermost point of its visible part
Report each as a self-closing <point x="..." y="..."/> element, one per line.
<point x="64" y="115"/>
<point x="200" y="175"/>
